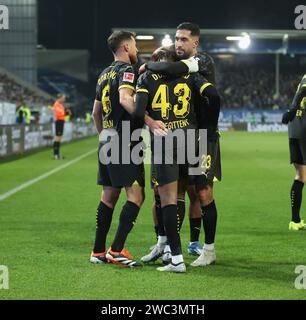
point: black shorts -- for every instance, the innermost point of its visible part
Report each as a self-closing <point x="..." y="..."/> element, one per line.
<point x="163" y="173"/>
<point x="153" y="177"/>
<point x="211" y="163"/>
<point x="167" y="173"/>
<point x="59" y="127"/>
<point x="120" y="175"/>
<point x="297" y="149"/>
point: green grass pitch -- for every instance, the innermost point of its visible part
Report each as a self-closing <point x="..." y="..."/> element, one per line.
<point x="47" y="230"/>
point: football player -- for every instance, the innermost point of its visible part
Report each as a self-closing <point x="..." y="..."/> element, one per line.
<point x="113" y="104"/>
<point x="172" y="100"/>
<point x="296" y="117"/>
<point x="186" y="44"/>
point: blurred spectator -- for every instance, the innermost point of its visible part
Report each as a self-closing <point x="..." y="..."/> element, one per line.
<point x="13" y="92"/>
<point x="254" y="87"/>
<point x="88" y="117"/>
<point x="23" y="114"/>
<point x="20" y="118"/>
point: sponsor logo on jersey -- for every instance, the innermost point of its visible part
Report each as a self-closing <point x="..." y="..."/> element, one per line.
<point x="129" y="77"/>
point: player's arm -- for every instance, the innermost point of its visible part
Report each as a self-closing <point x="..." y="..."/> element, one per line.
<point x="138" y="116"/>
<point x="209" y="112"/>
<point x="179" y="68"/>
<point x="127" y="85"/>
<point x="126" y="99"/>
<point x="210" y="92"/>
<point x="155" y="126"/>
<point x="289" y="115"/>
<point x="97" y="115"/>
<point x="168" y="68"/>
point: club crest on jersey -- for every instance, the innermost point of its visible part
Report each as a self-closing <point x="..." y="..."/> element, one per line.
<point x="128" y="76"/>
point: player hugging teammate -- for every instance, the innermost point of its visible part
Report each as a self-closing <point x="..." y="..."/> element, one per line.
<point x="178" y="96"/>
<point x="200" y="193"/>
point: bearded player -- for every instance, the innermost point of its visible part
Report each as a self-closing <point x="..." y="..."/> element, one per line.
<point x="186" y="43"/>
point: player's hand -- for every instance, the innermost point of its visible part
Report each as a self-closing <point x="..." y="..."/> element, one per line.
<point x="142" y="69"/>
<point x="157" y="53"/>
<point x="158" y="128"/>
<point x="288" y="116"/>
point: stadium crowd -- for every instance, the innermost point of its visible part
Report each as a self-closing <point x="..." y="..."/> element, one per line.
<point x="254" y="88"/>
<point x="13" y="92"/>
<point x="240" y="87"/>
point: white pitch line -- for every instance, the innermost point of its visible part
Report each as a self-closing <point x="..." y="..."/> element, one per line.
<point x="43" y="176"/>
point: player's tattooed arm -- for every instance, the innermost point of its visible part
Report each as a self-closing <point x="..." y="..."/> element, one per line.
<point x="126" y="99"/>
<point x="97" y="115"/>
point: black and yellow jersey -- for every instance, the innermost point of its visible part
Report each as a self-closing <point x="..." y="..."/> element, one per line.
<point x="172" y="100"/>
<point x="297" y="127"/>
<point x="118" y="75"/>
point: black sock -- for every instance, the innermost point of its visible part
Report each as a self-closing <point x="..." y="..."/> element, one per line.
<point x="181" y="208"/>
<point x="104" y="220"/>
<point x="296" y="200"/>
<point x="195" y="228"/>
<point x="59" y="147"/>
<point x="209" y="217"/>
<point x="171" y="222"/>
<point x="159" y="216"/>
<point x="127" y="219"/>
<point x="156" y="231"/>
<point x="56" y="148"/>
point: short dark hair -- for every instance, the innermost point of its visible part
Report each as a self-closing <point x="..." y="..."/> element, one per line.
<point x="192" y="27"/>
<point x="115" y="39"/>
<point x="168" y="53"/>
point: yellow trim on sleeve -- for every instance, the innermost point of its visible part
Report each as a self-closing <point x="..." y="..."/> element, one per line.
<point x="126" y="86"/>
<point x="205" y="86"/>
<point x="142" y="90"/>
<point x="304" y="85"/>
<point x="135" y="183"/>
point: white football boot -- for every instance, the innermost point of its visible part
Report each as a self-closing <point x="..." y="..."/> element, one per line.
<point x="206" y="258"/>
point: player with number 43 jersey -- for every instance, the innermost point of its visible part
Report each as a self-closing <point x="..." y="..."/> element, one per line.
<point x="172" y="100"/>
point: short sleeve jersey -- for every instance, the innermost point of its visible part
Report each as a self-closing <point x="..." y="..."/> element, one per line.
<point x="118" y="75"/>
<point x="172" y="100"/>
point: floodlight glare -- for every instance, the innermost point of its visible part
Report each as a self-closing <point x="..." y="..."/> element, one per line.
<point x="167" y="41"/>
<point x="233" y="38"/>
<point x="244" y="42"/>
<point x="144" y="37"/>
